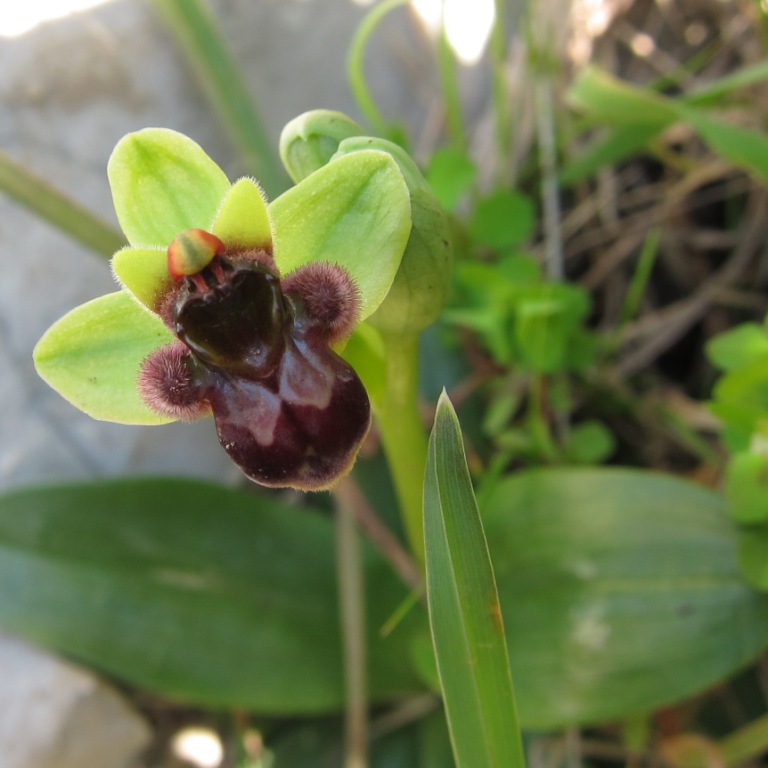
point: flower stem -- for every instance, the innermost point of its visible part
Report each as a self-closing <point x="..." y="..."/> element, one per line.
<point x="501" y="97"/>
<point x="356" y="64"/>
<point x="352" y="601"/>
<point x="450" y="88"/>
<point x="403" y="435"/>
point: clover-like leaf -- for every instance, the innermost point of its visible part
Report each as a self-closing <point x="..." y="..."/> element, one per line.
<point x="91" y="357"/>
<point x="354" y="212"/>
<point x="163" y="183"/>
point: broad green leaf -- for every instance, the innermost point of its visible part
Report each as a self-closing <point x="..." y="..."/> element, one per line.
<point x="590" y="442"/>
<point x="620" y="591"/>
<point x="207" y="595"/>
<point x="607" y="99"/>
<point x="745" y="390"/>
<point x="242" y="220"/>
<point x="163" y="183"/>
<point x="91" y="357"/>
<point x="738" y="346"/>
<point x="753" y="555"/>
<point x="746" y="487"/>
<point x="451" y="174"/>
<point x="144" y="273"/>
<point x="743" y="147"/>
<point x="354" y="212"/>
<point x="464" y="610"/>
<point x="502" y="220"/>
<point x="541" y="333"/>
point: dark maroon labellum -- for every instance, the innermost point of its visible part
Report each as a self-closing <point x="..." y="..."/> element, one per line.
<point x="288" y="410"/>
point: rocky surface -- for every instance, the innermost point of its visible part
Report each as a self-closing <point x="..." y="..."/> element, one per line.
<point x="56" y="715"/>
<point x="69" y="90"/>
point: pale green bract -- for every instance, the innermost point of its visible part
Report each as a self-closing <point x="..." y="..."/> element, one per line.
<point x="354" y="212"/>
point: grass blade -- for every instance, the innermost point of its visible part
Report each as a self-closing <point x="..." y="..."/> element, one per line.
<point x="194" y="28"/>
<point x="35" y="193"/>
<point x="465" y="617"/>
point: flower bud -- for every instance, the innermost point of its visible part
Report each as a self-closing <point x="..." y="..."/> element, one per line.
<point x="420" y="288"/>
<point x="309" y="141"/>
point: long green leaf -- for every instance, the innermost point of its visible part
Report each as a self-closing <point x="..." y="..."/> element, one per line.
<point x="610" y="100"/>
<point x="741" y="146"/>
<point x="467" y="626"/>
<point x="55" y="207"/>
<point x="212" y="596"/>
<point x="709" y="94"/>
<point x="195" y="29"/>
<point x="621" y="592"/>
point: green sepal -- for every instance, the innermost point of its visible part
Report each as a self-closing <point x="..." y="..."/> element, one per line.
<point x="163" y="183"/>
<point x="354" y="212"/>
<point x="420" y="288"/>
<point x="144" y="273"/>
<point x="242" y="220"/>
<point x="91" y="357"/>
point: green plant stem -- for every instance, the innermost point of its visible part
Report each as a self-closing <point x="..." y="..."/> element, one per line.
<point x="641" y="276"/>
<point x="35" y="193"/>
<point x="450" y="88"/>
<point x="403" y="435"/>
<point x="356" y="64"/>
<point x="197" y="33"/>
<point x="501" y="101"/>
<point x="352" y="606"/>
<point x="746" y="743"/>
<point x="538" y="426"/>
<point x="550" y="193"/>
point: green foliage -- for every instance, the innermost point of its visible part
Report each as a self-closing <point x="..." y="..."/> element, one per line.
<point x="464" y="609"/>
<point x="205" y="594"/>
<point x="740" y="400"/>
<point x="620" y="590"/>
<point x="451" y="174"/>
<point x="607" y="592"/>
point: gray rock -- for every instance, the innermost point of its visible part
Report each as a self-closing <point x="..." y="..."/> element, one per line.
<point x="70" y="89"/>
<point x="56" y="715"/>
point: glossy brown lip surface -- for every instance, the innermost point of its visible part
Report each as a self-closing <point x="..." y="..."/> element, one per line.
<point x="288" y="410"/>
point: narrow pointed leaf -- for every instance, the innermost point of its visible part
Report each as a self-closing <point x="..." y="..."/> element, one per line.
<point x="355" y="212"/>
<point x="208" y="595"/>
<point x="195" y="28"/>
<point x="242" y="220"/>
<point x="741" y="146"/>
<point x="163" y="183"/>
<point x="91" y="357"/>
<point x="464" y="610"/>
<point x="608" y="99"/>
<point x="57" y="208"/>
